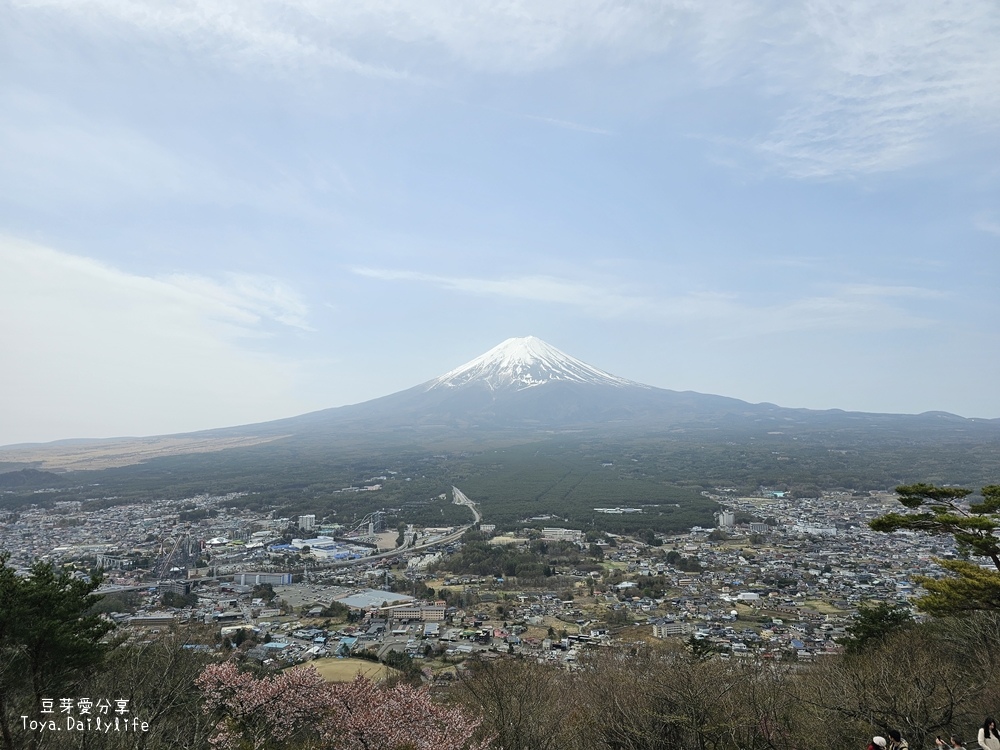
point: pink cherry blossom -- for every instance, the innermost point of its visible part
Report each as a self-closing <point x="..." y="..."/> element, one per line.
<point x="298" y="708"/>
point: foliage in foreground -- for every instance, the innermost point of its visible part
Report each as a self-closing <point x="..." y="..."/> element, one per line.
<point x="924" y="680"/>
<point x="47" y="638"/>
<point x="873" y="624"/>
<point x="298" y="709"/>
<point x="975" y="527"/>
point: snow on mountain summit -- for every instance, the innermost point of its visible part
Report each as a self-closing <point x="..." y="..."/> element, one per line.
<point x="526" y="362"/>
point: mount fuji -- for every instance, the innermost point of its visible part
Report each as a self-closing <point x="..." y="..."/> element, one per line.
<point x="523" y="383"/>
<point x="525" y="391"/>
<point x="528" y="362"/>
<point x="527" y="385"/>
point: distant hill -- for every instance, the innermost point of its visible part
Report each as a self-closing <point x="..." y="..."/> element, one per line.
<point x="29" y="478"/>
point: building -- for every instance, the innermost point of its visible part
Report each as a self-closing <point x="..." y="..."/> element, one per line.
<point x="181" y="588"/>
<point x="562" y="535"/>
<point x="256" y="579"/>
<point x="727" y="519"/>
<point x="670" y="628"/>
<point x="109" y="562"/>
<point x="374" y="599"/>
<point x="152" y="621"/>
<point x="419" y="611"/>
<point x="307" y="523"/>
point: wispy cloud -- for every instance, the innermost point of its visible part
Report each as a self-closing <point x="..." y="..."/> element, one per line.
<point x="568" y="125"/>
<point x="987" y="223"/>
<point x="56" y="155"/>
<point x="516" y="36"/>
<point x="871" y="87"/>
<point x="545" y="289"/>
<point x="238" y="304"/>
<point x="722" y="314"/>
<point x="146" y="354"/>
<point x="289" y="35"/>
<point x="901" y="292"/>
<point x="866" y="307"/>
<point x="848" y="87"/>
<point x="52" y="150"/>
<point x="246" y="299"/>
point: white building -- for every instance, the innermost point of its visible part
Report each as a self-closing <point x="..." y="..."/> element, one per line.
<point x="254" y="579"/>
<point x="815" y="530"/>
<point x="667" y="629"/>
<point x="319" y="541"/>
<point x="418" y="611"/>
<point x="562" y="535"/>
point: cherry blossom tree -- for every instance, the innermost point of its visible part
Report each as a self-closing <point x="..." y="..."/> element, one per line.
<point x="298" y="709"/>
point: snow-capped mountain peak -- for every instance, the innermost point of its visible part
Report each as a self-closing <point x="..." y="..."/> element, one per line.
<point x="525" y="362"/>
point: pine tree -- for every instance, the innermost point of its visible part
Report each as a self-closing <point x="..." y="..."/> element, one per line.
<point x="975" y="527"/>
<point x="48" y="639"/>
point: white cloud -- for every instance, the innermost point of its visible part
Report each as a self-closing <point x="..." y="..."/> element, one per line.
<point x="279" y="34"/>
<point x="247" y="298"/>
<point x="866" y="307"/>
<point x="95" y="351"/>
<point x="50" y="149"/>
<point x="546" y="289"/>
<point x="568" y="125"/>
<point x="987" y="223"/>
<point x="492" y="35"/>
<point x="851" y="87"/>
<point x="868" y="87"/>
<point x="55" y="155"/>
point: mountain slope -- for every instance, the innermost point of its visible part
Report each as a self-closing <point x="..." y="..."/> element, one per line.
<point x="525" y="384"/>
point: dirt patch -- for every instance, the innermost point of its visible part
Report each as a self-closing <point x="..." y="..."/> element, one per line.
<point x="109" y="454"/>
<point x="344" y="670"/>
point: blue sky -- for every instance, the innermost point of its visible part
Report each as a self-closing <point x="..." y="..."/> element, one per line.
<point x="221" y="212"/>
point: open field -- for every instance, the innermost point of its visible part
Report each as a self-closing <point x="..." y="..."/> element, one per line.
<point x="345" y="670"/>
<point x="94" y="455"/>
<point x="824" y="608"/>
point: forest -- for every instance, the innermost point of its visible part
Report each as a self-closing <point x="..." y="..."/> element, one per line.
<point x="516" y="477"/>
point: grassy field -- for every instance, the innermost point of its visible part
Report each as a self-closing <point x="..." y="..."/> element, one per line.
<point x="824" y="608"/>
<point x="345" y="670"/>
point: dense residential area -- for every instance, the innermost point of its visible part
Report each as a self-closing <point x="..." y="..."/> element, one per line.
<point x="786" y="609"/>
<point x="782" y="583"/>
